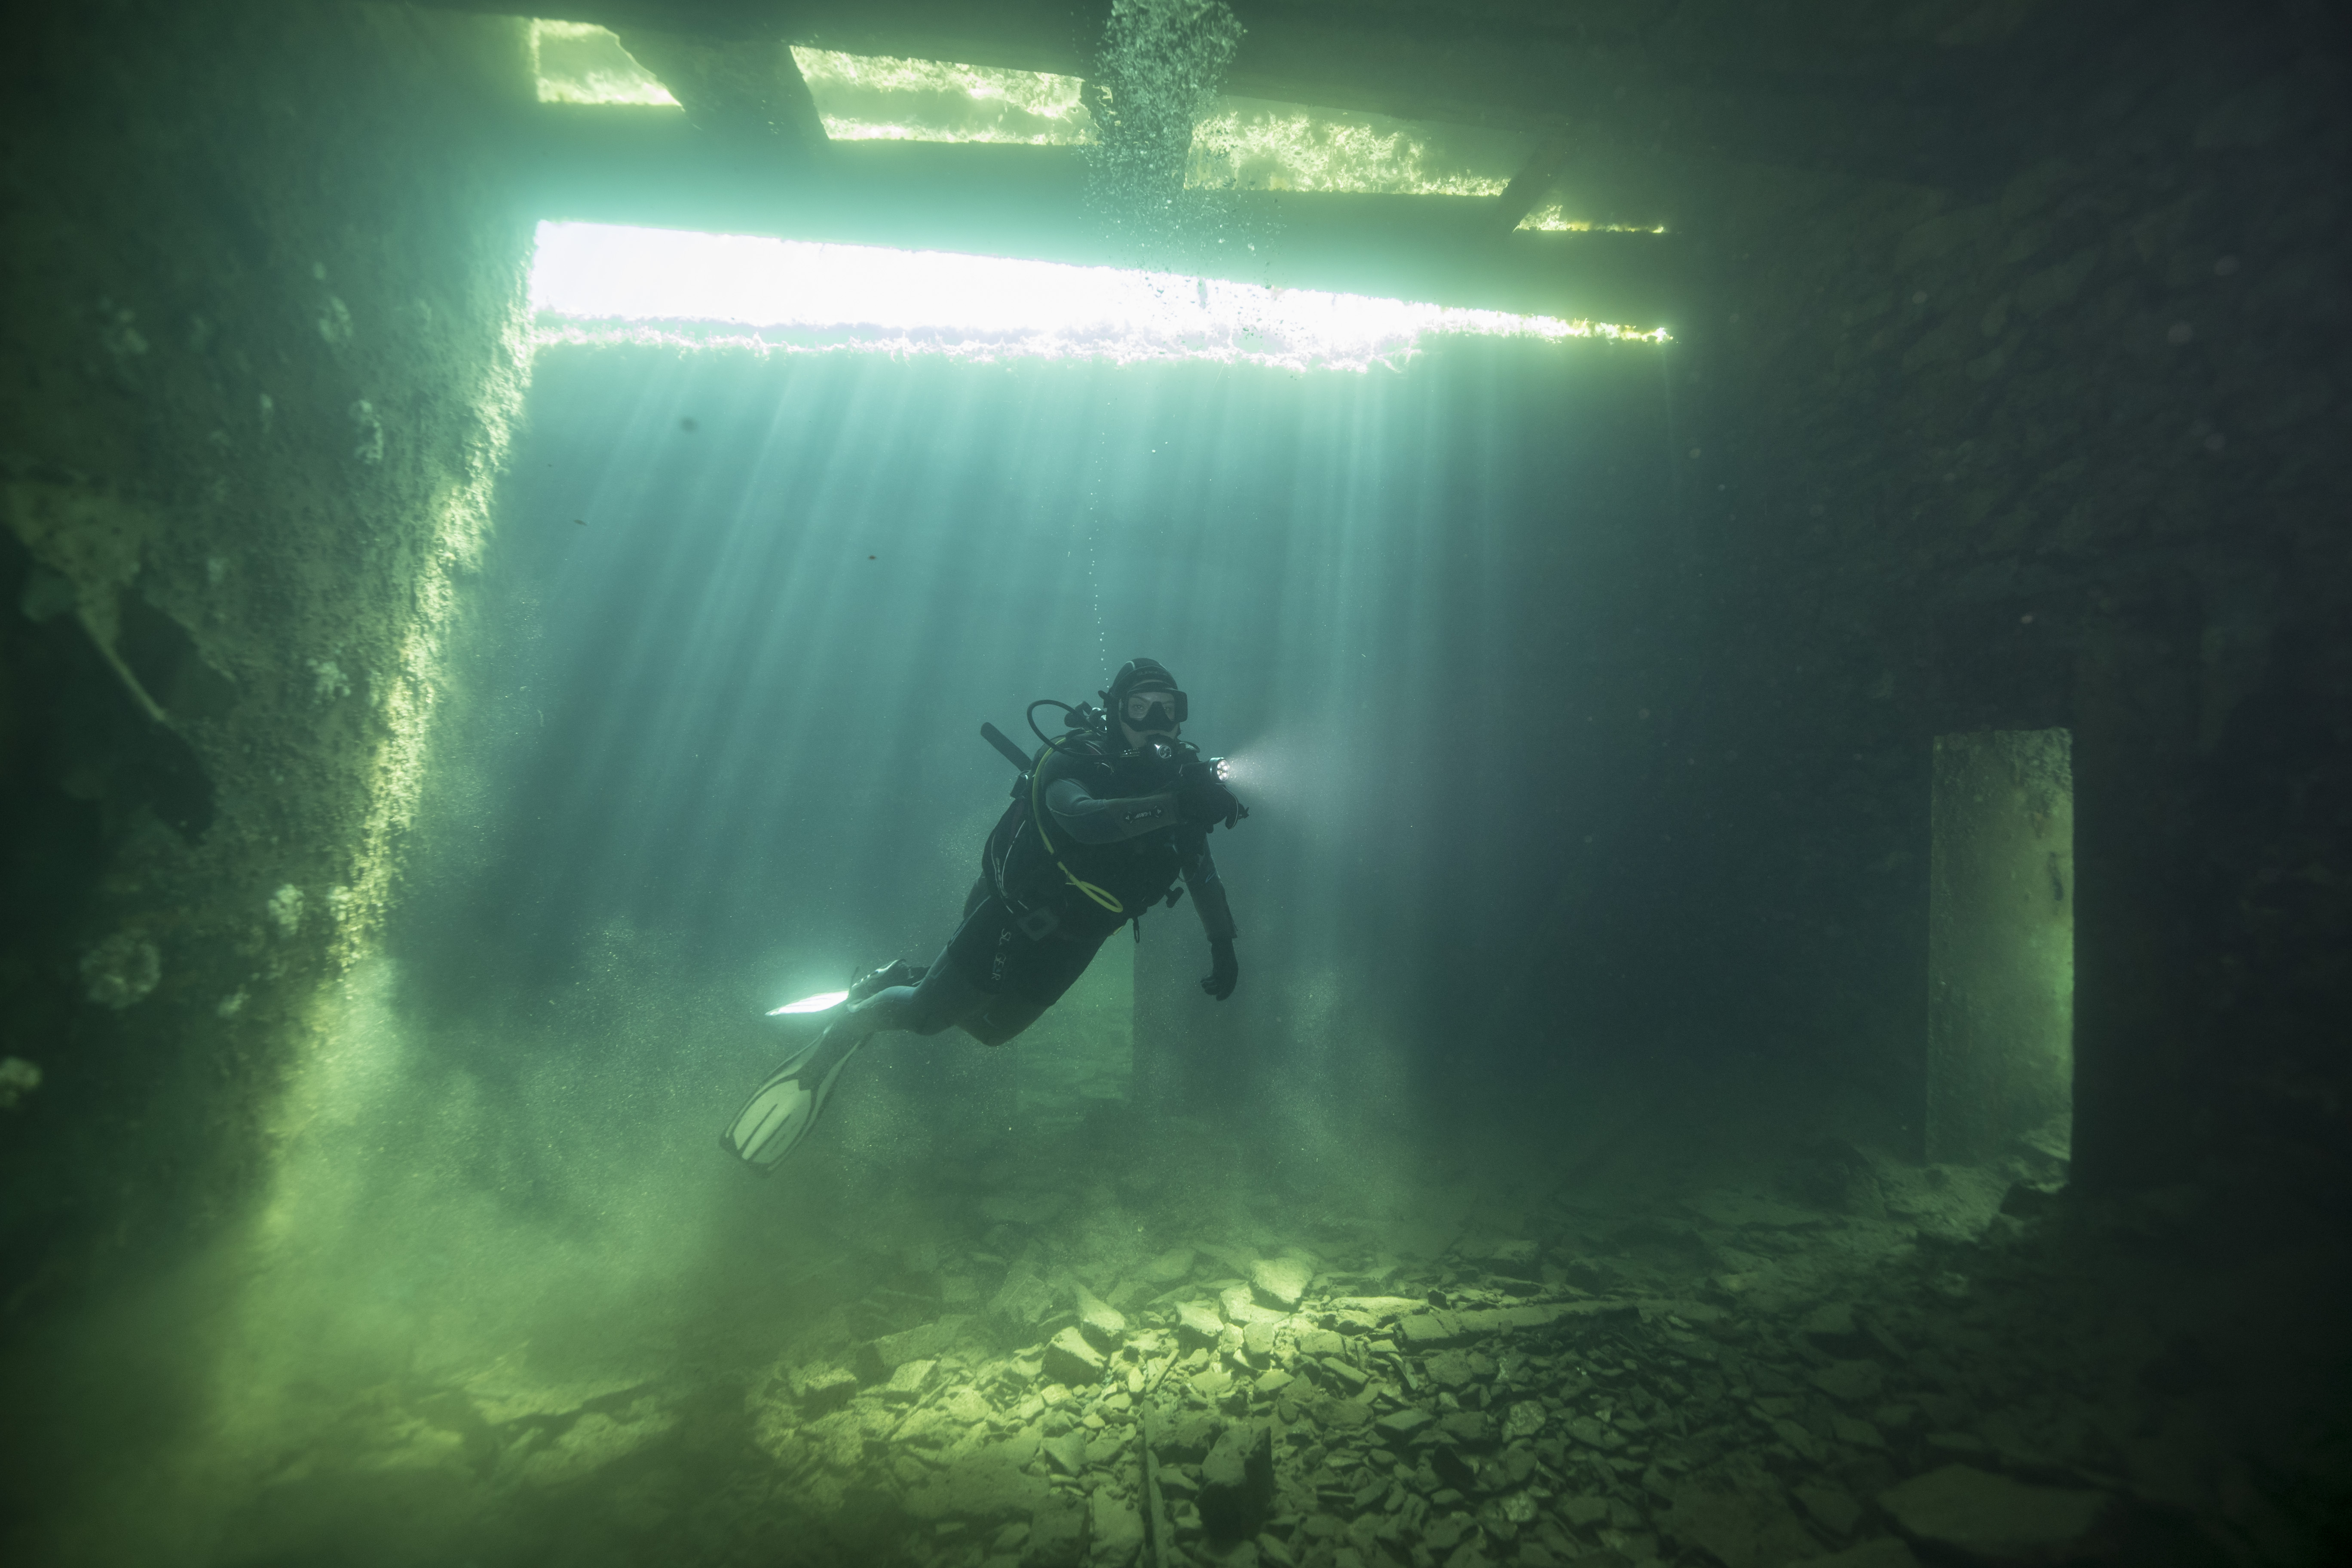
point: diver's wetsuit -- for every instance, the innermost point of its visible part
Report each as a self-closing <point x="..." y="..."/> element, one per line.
<point x="1113" y="822"/>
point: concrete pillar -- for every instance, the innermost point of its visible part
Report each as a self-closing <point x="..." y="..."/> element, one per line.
<point x="2000" y="945"/>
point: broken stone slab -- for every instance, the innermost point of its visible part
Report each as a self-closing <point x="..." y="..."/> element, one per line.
<point x="1830" y="1509"/>
<point x="1320" y="1342"/>
<point x="1187" y="1439"/>
<point x="1281" y="1281"/>
<point x="1100" y="1321"/>
<point x="1401" y="1426"/>
<point x="592" y="1442"/>
<point x="1856" y="1433"/>
<point x="823" y="1388"/>
<point x="1740" y="1528"/>
<point x="1379" y="1309"/>
<point x="1830" y="1326"/>
<point x="1470" y="1428"/>
<point x="1116" y="1529"/>
<point x="1240" y="1304"/>
<point x="1067" y="1450"/>
<point x="1593" y="1434"/>
<point x="1257" y="1342"/>
<point x="1851" y="1381"/>
<point x="1346" y="1378"/>
<point x="1513" y="1258"/>
<point x="1237" y="1482"/>
<point x="925" y="1341"/>
<point x="1071" y="1358"/>
<point x="1196" y="1320"/>
<point x="1671" y="1307"/>
<point x="983" y="1490"/>
<point x="1427" y="1331"/>
<point x="906" y="1382"/>
<point x="1171" y="1267"/>
<point x="1023" y="1301"/>
<point x="1057" y="1535"/>
<point x="1886" y="1551"/>
<point x="1964" y="1510"/>
<point x="1524" y="1419"/>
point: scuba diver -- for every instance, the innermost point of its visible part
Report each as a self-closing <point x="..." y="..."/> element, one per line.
<point x="1106" y="817"/>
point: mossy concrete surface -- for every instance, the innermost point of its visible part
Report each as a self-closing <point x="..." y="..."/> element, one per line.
<point x="262" y="346"/>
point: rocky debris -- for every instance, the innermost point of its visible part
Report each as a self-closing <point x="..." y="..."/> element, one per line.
<point x="1100" y="1321"/>
<point x="1990" y="1517"/>
<point x="1752" y="1528"/>
<point x="1196" y="1320"/>
<point x="1280" y="1282"/>
<point x="1237" y="1482"/>
<point x="820" y="1388"/>
<point x="987" y="1491"/>
<point x="1851" y="1381"/>
<point x="592" y="1442"/>
<point x="1474" y="1416"/>
<point x="1171" y="1266"/>
<point x="1114" y="1528"/>
<point x="1023" y="1303"/>
<point x="1071" y="1358"/>
<point x="878" y="1359"/>
<point x="1886" y="1551"/>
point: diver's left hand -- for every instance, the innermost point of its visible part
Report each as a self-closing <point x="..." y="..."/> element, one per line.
<point x="1224" y="971"/>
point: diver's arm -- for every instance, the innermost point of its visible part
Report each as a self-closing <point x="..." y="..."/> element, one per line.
<point x="1217" y="915"/>
<point x="1092" y="819"/>
<point x="1208" y="891"/>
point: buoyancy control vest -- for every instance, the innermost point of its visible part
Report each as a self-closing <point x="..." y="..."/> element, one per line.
<point x="1059" y="885"/>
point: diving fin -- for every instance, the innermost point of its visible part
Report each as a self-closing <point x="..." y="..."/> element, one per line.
<point x="783" y="1111"/>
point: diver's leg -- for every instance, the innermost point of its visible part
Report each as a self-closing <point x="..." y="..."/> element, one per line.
<point x="1001" y="1018"/>
<point x="785" y="1110"/>
<point x="945" y="994"/>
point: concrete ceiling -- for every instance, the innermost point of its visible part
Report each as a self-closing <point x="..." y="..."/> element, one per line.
<point x="1642" y="110"/>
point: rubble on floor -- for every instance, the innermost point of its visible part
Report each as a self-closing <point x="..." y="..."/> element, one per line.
<point x="1733" y="1380"/>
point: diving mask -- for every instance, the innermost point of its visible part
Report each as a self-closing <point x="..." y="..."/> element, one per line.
<point x="1154" y="708"/>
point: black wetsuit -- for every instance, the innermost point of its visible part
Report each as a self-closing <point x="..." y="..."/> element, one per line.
<point x="1110" y="822"/>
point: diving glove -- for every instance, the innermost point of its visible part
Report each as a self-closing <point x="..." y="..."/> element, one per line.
<point x="1201" y="796"/>
<point x="1224" y="971"/>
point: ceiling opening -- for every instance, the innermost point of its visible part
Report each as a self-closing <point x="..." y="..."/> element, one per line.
<point x="598" y="283"/>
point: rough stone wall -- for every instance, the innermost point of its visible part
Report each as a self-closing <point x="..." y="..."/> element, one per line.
<point x="264" y="289"/>
<point x="2069" y="448"/>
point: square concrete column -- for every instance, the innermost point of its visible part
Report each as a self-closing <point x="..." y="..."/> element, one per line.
<point x="2001" y="945"/>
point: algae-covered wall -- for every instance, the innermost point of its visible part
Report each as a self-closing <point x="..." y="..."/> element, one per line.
<point x="261" y="350"/>
<point x="2062" y="446"/>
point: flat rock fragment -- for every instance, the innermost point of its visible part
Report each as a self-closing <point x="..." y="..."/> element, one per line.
<point x="1237" y="1482"/>
<point x="1197" y="1319"/>
<point x="1886" y="1551"/>
<point x="982" y="1490"/>
<point x="1967" y="1510"/>
<point x="1057" y="1536"/>
<point x="1851" y="1381"/>
<point x="1399" y="1427"/>
<point x="1116" y="1528"/>
<point x="1071" y="1358"/>
<point x="1281" y="1281"/>
<point x="1746" y="1529"/>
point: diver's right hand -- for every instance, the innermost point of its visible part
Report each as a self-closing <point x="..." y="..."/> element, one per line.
<point x="1201" y="796"/>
